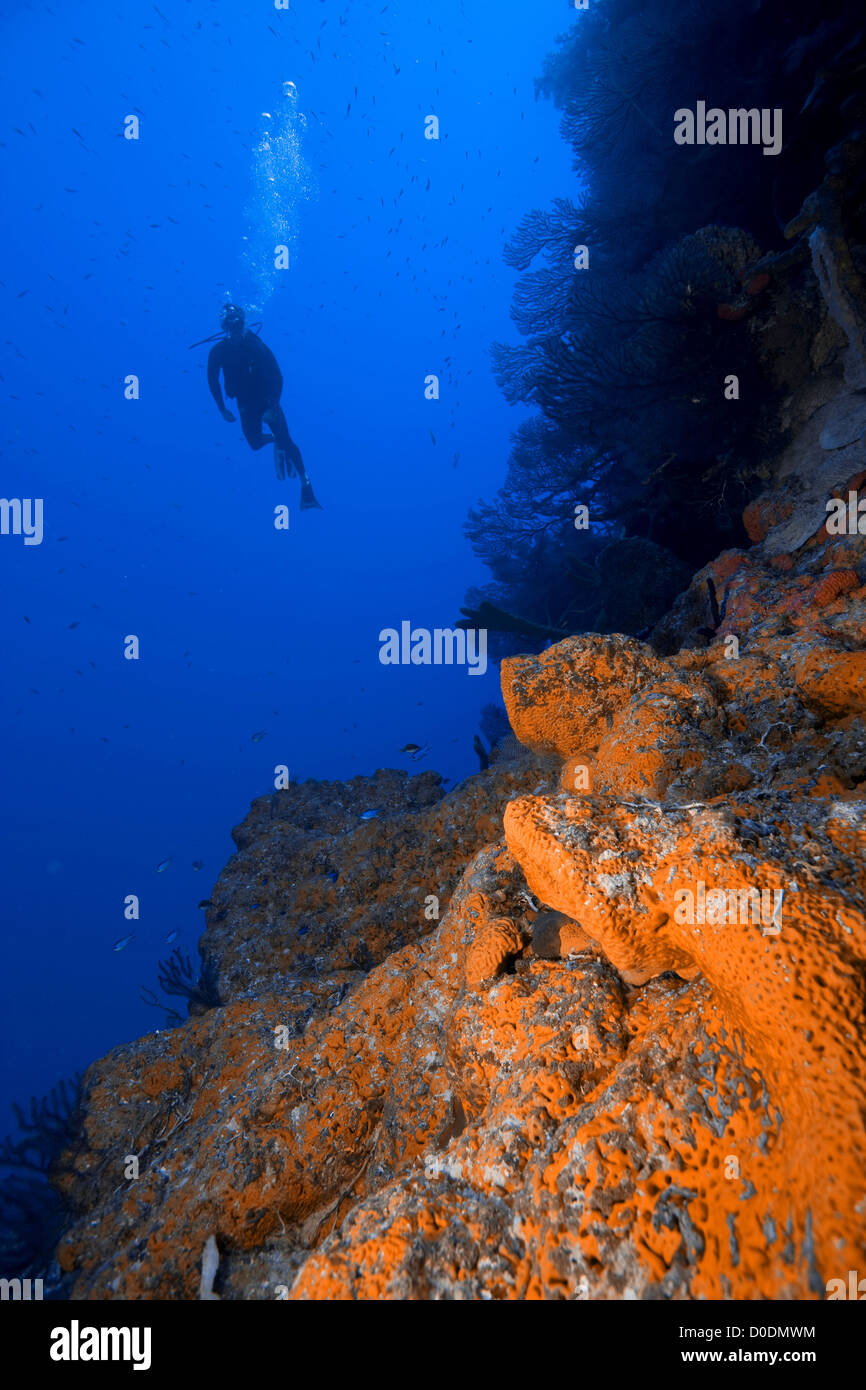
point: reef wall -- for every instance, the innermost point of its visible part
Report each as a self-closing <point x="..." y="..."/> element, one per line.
<point x="511" y="1042"/>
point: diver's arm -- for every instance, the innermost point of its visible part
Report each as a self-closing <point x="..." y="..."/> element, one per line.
<point x="213" y="381"/>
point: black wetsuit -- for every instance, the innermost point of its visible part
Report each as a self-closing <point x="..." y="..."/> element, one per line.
<point x="252" y="377"/>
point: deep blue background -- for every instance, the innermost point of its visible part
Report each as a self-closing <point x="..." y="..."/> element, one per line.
<point x="159" y="519"/>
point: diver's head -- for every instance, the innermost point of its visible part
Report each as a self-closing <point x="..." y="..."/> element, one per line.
<point x="232" y="320"/>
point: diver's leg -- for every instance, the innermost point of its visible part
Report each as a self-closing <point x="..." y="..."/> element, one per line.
<point x="277" y="421"/>
<point x="293" y="453"/>
<point x="285" y="445"/>
<point x="287" y="455"/>
<point x="251" y="424"/>
<point x="282" y="439"/>
<point x="281" y="463"/>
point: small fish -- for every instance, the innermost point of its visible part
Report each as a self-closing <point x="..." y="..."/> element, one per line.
<point x="257" y="738"/>
<point x="371" y="815"/>
<point x="172" y="936"/>
<point x="333" y="876"/>
<point x="302" y="931"/>
<point x="205" y="902"/>
<point x="123" y="942"/>
<point x="198" y="863"/>
<point x="411" y="748"/>
<point x="161" y="868"/>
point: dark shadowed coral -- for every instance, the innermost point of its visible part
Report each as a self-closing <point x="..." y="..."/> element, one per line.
<point x="32" y="1211"/>
<point x="663" y="362"/>
<point x="178" y="978"/>
<point x="494" y="724"/>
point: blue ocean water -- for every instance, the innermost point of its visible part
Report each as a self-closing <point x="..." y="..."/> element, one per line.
<point x="158" y="519"/>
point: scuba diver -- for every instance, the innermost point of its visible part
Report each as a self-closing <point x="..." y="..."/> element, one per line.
<point x="252" y="377"/>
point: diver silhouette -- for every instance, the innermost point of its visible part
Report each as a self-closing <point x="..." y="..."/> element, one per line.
<point x="252" y="377"/>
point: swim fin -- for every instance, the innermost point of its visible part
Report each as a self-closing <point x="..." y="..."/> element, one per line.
<point x="308" y="497"/>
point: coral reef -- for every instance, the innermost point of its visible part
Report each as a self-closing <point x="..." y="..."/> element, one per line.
<point x="542" y="1038"/>
<point x="316" y="896"/>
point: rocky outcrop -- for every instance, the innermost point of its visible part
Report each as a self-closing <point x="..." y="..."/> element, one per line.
<point x="589" y="1026"/>
<point x="316" y="894"/>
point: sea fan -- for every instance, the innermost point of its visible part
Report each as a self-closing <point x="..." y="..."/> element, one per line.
<point x="32" y="1211"/>
<point x="179" y="979"/>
